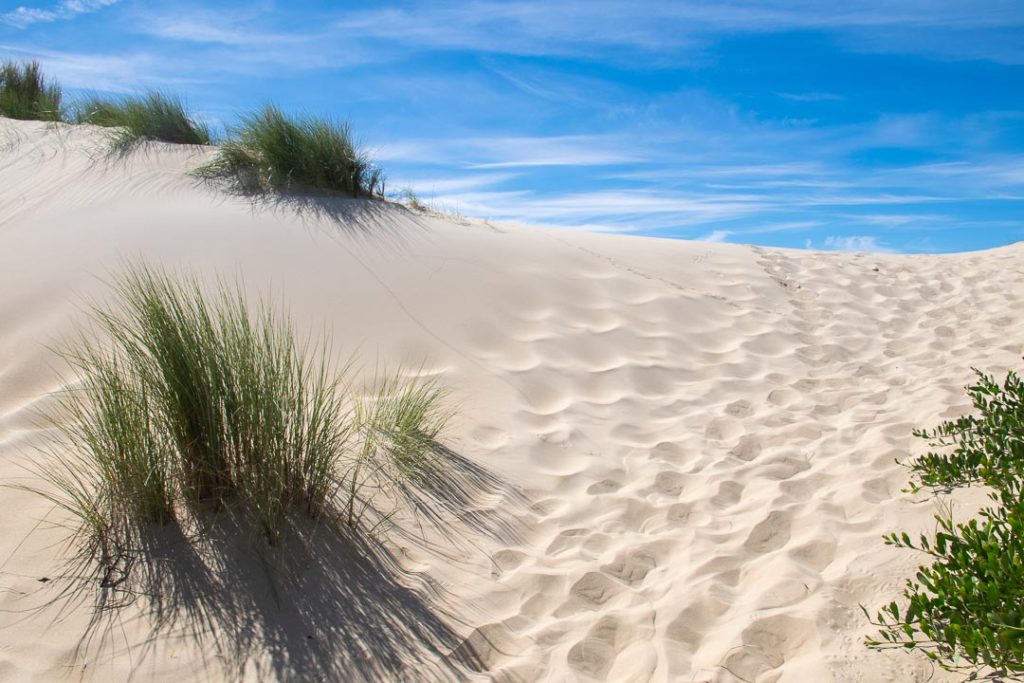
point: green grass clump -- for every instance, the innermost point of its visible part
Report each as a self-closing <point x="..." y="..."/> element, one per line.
<point x="409" y="197"/>
<point x="252" y="414"/>
<point x="399" y="421"/>
<point x="153" y="116"/>
<point x="965" y="610"/>
<point x="114" y="468"/>
<point x="271" y="152"/>
<point x="26" y="94"/>
<point x="190" y="404"/>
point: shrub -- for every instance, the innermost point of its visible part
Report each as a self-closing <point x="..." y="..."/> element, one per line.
<point x="153" y="116"/>
<point x="272" y="152"/>
<point x="190" y="403"/>
<point x="966" y="609"/>
<point x="26" y="94"/>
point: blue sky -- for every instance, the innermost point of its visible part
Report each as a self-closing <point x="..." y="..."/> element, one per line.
<point x="888" y="125"/>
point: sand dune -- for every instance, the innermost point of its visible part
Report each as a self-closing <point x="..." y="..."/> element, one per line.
<point x="692" y="445"/>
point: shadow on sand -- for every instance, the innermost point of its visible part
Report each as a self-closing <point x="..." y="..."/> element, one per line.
<point x="360" y="218"/>
<point x="326" y="605"/>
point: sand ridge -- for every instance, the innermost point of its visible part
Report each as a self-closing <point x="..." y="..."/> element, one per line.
<point x="694" y="443"/>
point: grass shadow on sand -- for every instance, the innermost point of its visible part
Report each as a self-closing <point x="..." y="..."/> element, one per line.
<point x="326" y="604"/>
<point x="454" y="490"/>
<point x="366" y="219"/>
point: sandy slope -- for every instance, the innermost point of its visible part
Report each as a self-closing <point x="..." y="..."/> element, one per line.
<point x="692" y="445"/>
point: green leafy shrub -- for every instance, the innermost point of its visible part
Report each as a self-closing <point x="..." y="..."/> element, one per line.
<point x="965" y="611"/>
<point x="26" y="94"/>
<point x="270" y="151"/>
<point x="153" y="116"/>
<point x="190" y="404"/>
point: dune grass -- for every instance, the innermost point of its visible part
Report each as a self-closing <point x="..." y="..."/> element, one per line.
<point x="152" y="116"/>
<point x="26" y="94"/>
<point x="272" y="152"/>
<point x="399" y="419"/>
<point x="411" y="199"/>
<point x="113" y="467"/>
<point x="190" y="404"/>
<point x="252" y="416"/>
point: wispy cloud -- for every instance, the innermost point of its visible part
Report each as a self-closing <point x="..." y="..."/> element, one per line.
<point x="715" y="236"/>
<point x="22" y="17"/>
<point x="811" y="96"/>
<point x="200" y="29"/>
<point x="532" y="27"/>
<point x="895" y="220"/>
<point x="227" y="25"/>
<point x="864" y="243"/>
<point x="514" y="152"/>
<point x="120" y="72"/>
<point x="431" y="187"/>
<point x="618" y="210"/>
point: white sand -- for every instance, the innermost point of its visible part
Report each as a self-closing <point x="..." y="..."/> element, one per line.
<point x="695" y="442"/>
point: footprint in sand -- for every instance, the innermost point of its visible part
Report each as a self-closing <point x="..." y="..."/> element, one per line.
<point x="569" y="538"/>
<point x="770" y="534"/>
<point x="604" y="486"/>
<point x="741" y="408"/>
<point x="729" y="493"/>
<point x="668" y="451"/>
<point x="632" y="566"/>
<point x="692" y="624"/>
<point x="594" y="655"/>
<point x="589" y="593"/>
<point x="817" y="554"/>
<point x="723" y="429"/>
<point x="679" y="514"/>
<point x="767" y="644"/>
<point x="783" y="397"/>
<point x="508" y="559"/>
<point x="669" y="483"/>
<point x="748" y="448"/>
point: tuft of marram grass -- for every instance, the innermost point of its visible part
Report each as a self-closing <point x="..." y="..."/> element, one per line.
<point x="113" y="467"/>
<point x="272" y="152"/>
<point x="26" y="94"/>
<point x="399" y="419"/>
<point x="189" y="403"/>
<point x="152" y="116"/>
<point x="411" y="199"/>
<point x="252" y="414"/>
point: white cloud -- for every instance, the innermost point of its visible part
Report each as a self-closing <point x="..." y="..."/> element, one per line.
<point x="21" y="17"/>
<point x="811" y="96"/>
<point x="895" y="220"/>
<point x="619" y="210"/>
<point x="221" y="27"/>
<point x="947" y="28"/>
<point x="715" y="236"/>
<point x="430" y="187"/>
<point x="866" y="243"/>
<point x="124" y="72"/>
<point x="513" y="152"/>
<point x="26" y="16"/>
